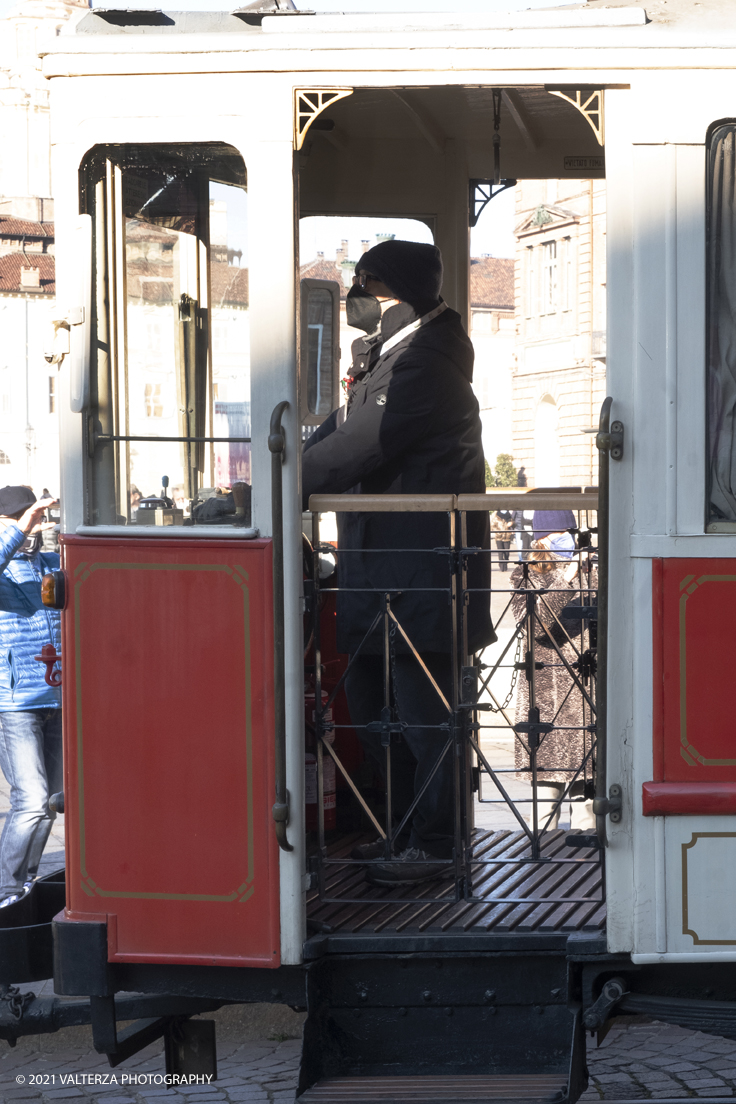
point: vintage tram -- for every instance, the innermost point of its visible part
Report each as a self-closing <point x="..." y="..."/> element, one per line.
<point x="191" y="880"/>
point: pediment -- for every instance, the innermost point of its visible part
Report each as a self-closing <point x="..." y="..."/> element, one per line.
<point x="546" y="216"/>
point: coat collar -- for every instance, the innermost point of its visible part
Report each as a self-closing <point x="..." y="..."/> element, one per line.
<point x="412" y="327"/>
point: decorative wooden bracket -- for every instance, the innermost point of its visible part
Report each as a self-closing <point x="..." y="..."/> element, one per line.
<point x="589" y="103"/>
<point x="308" y="104"/>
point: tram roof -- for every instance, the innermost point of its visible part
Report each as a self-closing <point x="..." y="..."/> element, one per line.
<point x="613" y="23"/>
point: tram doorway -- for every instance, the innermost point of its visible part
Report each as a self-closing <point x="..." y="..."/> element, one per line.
<point x="515" y="864"/>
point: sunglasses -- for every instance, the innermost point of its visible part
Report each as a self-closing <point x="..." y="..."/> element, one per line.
<point x="363" y="278"/>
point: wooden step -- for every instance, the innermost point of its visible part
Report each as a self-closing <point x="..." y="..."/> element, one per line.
<point x="530" y="1088"/>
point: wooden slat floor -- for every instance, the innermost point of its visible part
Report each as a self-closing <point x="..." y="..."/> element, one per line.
<point x="531" y="1088"/>
<point x="561" y="895"/>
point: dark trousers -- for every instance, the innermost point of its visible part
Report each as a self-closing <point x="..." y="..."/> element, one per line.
<point x="503" y="552"/>
<point x="413" y="754"/>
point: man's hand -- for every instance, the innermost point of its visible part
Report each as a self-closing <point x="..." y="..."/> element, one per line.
<point x="30" y="522"/>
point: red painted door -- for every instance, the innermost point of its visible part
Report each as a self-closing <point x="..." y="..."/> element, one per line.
<point x="168" y="728"/>
<point x="694" y="613"/>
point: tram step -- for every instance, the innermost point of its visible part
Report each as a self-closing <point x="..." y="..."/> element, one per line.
<point x="530" y="1088"/>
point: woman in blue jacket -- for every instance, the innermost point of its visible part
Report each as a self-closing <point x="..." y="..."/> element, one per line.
<point x="30" y="709"/>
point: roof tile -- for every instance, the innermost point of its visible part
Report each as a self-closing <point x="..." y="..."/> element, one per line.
<point x="10" y="266"/>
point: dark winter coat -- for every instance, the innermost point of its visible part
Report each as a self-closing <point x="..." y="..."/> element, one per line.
<point x="412" y="427"/>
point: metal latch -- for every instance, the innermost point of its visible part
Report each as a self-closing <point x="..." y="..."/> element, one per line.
<point x="610" y="806"/>
<point x="613" y="441"/>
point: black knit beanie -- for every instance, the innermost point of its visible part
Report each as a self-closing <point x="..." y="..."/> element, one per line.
<point x="411" y="270"/>
<point x="14" y="501"/>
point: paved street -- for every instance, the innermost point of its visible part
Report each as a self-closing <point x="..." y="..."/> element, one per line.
<point x="637" y="1061"/>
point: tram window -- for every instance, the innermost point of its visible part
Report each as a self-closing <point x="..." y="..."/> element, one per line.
<point x="170" y="374"/>
<point x="320" y="352"/>
<point x="721" y="235"/>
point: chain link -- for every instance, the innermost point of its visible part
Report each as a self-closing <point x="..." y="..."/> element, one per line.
<point x="515" y="676"/>
<point x="15" y="1000"/>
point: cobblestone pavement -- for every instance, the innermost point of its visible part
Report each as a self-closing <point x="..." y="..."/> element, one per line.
<point x="641" y="1061"/>
<point x="251" y="1069"/>
<point x="637" y="1061"/>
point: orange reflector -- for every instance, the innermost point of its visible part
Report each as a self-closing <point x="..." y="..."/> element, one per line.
<point x="48" y="591"/>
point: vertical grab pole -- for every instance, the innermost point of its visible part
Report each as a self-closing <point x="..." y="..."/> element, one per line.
<point x="386" y="722"/>
<point x="456" y="718"/>
<point x="318" y="718"/>
<point x="533" y="732"/>
<point x="610" y="445"/>
<point x="276" y="445"/>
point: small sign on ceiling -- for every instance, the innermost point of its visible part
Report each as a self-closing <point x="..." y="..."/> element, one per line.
<point x="575" y="164"/>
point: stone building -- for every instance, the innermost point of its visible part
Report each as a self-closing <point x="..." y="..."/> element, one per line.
<point x="29" y="441"/>
<point x="492" y="333"/>
<point x="559" y="378"/>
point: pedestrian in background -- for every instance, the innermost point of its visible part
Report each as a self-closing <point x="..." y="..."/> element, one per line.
<point x="30" y="709"/>
<point x="502" y="527"/>
<point x="561" y="758"/>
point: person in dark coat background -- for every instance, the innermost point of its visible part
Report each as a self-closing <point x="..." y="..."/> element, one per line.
<point x="411" y="426"/>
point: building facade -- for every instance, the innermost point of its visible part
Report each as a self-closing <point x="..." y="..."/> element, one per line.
<point x="559" y="378"/>
<point x="29" y="439"/>
<point x="492" y="331"/>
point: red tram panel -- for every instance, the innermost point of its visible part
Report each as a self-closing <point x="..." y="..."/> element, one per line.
<point x="694" y="611"/>
<point x="169" y="735"/>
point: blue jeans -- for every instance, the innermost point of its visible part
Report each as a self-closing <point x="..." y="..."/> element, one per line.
<point x="31" y="760"/>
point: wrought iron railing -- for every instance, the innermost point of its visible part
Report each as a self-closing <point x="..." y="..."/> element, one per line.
<point x="500" y="729"/>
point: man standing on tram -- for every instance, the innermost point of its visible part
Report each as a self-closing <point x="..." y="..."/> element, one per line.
<point x="30" y="709"/>
<point x="411" y="426"/>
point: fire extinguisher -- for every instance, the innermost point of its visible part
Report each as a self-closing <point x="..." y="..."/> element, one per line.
<point x="310" y="765"/>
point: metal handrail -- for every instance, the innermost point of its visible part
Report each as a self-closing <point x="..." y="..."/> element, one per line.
<point x="276" y="445"/>
<point x="603" y="445"/>
<point x="383" y="503"/>
<point x="533" y="499"/>
<point x="516" y="498"/>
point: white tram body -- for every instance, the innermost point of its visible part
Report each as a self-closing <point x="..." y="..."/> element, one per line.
<point x="413" y="124"/>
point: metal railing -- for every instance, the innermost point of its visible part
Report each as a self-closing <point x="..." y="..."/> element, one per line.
<point x="499" y="728"/>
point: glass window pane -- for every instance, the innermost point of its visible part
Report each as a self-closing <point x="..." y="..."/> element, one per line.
<point x="319" y="351"/>
<point x="721" y="325"/>
<point x="172" y="361"/>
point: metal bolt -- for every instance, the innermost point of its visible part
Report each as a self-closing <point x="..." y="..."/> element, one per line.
<point x="490" y="994"/>
<point x="426" y="995"/>
<point x="538" y="1009"/>
<point x="363" y="994"/>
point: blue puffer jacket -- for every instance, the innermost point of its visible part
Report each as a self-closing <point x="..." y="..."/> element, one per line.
<point x="25" y="626"/>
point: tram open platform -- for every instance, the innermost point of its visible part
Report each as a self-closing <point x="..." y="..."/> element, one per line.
<point x="539" y="903"/>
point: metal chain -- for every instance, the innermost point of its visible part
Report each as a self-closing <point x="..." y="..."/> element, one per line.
<point x="515" y="676"/>
<point x="16" y="1000"/>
